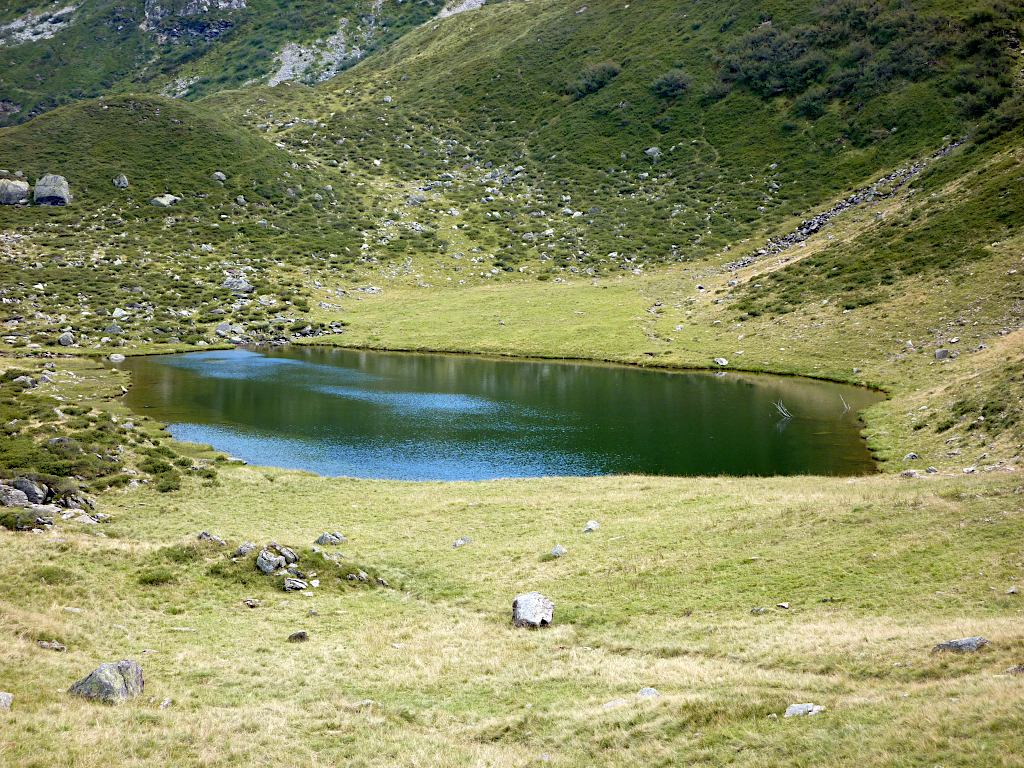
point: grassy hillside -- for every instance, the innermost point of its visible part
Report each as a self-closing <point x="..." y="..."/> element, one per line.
<point x="182" y="47"/>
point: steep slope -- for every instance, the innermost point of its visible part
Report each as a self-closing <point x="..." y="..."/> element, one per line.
<point x="609" y="137"/>
<point x="183" y="48"/>
<point x="245" y="208"/>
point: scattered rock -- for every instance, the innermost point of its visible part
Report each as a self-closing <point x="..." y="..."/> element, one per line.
<point x="165" y="201"/>
<point x="461" y="542"/>
<point x="117" y="357"/>
<point x="121" y="181"/>
<point x="294" y="585"/>
<point x="251" y="602"/>
<point x="289" y="555"/>
<point x="238" y="285"/>
<point x="783" y="606"/>
<point x="35" y="492"/>
<point x="759" y="610"/>
<point x="614" y="704"/>
<point x="298" y="637"/>
<point x="207" y="536"/>
<point x="111" y="682"/>
<point x="331" y="539"/>
<point x="911" y="457"/>
<point x="52" y="189"/>
<point x="964" y="645"/>
<point x="559" y="551"/>
<point x="6" y="700"/>
<point x="267" y="562"/>
<point x="51" y="645"/>
<point x="532" y="609"/>
<point x="13" y="192"/>
<point x="1016" y="670"/>
<point x="360" y="576"/>
<point x="244" y="549"/>
<point x="1012" y="591"/>
<point x="648" y="693"/>
<point x="721" y="361"/>
<point x="218" y="176"/>
<point x="591" y="526"/>
<point x="12" y="497"/>
<point x="941" y="354"/>
<point x="802" y="710"/>
<point x="66" y="339"/>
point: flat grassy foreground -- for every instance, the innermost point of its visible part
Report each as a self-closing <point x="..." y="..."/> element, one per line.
<point x="429" y="671"/>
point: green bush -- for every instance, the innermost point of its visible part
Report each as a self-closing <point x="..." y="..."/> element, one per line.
<point x="673" y="83"/>
<point x="593" y="78"/>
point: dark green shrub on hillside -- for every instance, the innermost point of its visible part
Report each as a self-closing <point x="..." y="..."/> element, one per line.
<point x="593" y="78"/>
<point x="673" y="83"/>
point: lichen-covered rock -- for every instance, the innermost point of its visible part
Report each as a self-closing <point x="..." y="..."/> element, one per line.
<point x="121" y="181"/>
<point x="238" y="285"/>
<point x="964" y="645"/>
<point x="12" y="497"/>
<point x="532" y="609"/>
<point x="52" y="189"/>
<point x="66" y="339"/>
<point x="13" y="192"/>
<point x="111" y="683"/>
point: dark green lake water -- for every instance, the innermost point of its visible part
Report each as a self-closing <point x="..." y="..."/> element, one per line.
<point x="441" y="417"/>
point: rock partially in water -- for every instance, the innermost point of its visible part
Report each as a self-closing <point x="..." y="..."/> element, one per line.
<point x="111" y="683"/>
<point x="532" y="609"/>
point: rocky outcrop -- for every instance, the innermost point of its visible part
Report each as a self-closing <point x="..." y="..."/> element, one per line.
<point x="111" y="683"/>
<point x="52" y="189"/>
<point x="14" y="192"/>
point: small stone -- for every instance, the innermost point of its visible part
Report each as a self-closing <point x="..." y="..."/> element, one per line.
<point x="801" y="710"/>
<point x="330" y="539"/>
<point x="783" y="606"/>
<point x="218" y="176"/>
<point x="51" y="645"/>
<point x="165" y="704"/>
<point x="244" y="549"/>
<point x="964" y="645"/>
<point x="941" y="354"/>
<point x="721" y="361"/>
<point x="251" y="602"/>
<point x="648" y="693"/>
<point x="1012" y="591"/>
<point x="559" y="551"/>
<point x="591" y="526"/>
<point x="911" y="457"/>
<point x="121" y="181"/>
<point x="298" y="637"/>
<point x="461" y="542"/>
<point x="532" y="609"/>
<point x="294" y="585"/>
<point x="759" y="610"/>
<point x="6" y="700"/>
<point x="211" y="537"/>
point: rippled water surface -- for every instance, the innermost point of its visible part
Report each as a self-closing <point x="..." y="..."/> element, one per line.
<point x="439" y="417"/>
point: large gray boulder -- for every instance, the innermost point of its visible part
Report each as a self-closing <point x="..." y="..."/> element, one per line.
<point x="13" y="192"/>
<point x="12" y="497"/>
<point x="52" y="190"/>
<point x="35" y="492"/>
<point x="66" y="339"/>
<point x="267" y="562"/>
<point x="532" y="610"/>
<point x="111" y="683"/>
<point x="121" y="181"/>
